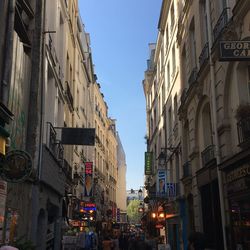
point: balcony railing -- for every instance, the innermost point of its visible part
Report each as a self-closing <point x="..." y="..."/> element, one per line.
<point x="243" y="128"/>
<point x="204" y="55"/>
<point x="207" y="155"/>
<point x="221" y="23"/>
<point x="186" y="169"/>
<point x="193" y="76"/>
<point x="55" y="147"/>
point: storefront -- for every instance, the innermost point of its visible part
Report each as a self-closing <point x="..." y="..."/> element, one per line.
<point x="238" y="193"/>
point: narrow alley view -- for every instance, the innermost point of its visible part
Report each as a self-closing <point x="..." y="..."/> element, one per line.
<point x="124" y="125"/>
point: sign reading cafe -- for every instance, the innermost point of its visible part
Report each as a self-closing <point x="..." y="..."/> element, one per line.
<point x="234" y="50"/>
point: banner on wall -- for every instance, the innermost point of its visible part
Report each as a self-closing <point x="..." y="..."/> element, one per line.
<point x="161" y="182"/>
<point x="88" y="177"/>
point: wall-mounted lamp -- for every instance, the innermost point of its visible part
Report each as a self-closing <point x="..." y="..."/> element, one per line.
<point x="163" y="156"/>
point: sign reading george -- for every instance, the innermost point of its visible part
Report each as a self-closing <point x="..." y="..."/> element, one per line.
<point x="148" y="163"/>
<point x="234" y="50"/>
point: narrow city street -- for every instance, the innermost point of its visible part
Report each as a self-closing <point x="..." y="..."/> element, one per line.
<point x="124" y="125"/>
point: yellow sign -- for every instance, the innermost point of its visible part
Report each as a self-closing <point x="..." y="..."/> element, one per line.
<point x="2" y="145"/>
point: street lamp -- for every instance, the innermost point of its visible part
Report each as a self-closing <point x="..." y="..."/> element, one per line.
<point x="140" y="194"/>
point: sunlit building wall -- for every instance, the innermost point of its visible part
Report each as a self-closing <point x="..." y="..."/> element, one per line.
<point x="214" y="145"/>
<point x="162" y="86"/>
<point x="121" y="178"/>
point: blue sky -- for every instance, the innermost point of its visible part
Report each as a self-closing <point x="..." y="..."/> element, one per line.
<point x="120" y="31"/>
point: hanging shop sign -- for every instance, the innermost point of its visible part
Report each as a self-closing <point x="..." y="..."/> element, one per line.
<point x="148" y="163"/>
<point x="88" y="187"/>
<point x="234" y="50"/>
<point x="17" y="166"/>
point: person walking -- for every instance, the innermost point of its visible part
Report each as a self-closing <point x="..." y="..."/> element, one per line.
<point x="107" y="243"/>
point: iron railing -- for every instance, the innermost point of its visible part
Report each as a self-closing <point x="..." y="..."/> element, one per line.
<point x="221" y="23"/>
<point x="193" y="76"/>
<point x="54" y="145"/>
<point x="203" y="58"/>
<point x="207" y="155"/>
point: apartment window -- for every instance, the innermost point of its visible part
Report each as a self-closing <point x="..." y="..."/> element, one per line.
<point x="172" y="17"/>
<point x="207" y="126"/>
<point x="175" y="109"/>
<point x="170" y="120"/>
<point x="168" y="75"/>
<point x="154" y="117"/>
<point x="167" y="38"/>
<point x="159" y="103"/>
<point x="192" y="44"/>
<point x="158" y="70"/>
<point x="203" y="20"/>
<point x="173" y="61"/>
<point x="184" y="66"/>
<point x="162" y="57"/>
<point x="163" y="93"/>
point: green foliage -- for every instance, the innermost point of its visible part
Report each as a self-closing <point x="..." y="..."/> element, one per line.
<point x="132" y="211"/>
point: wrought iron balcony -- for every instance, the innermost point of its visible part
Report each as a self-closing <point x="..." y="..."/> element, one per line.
<point x="208" y="155"/>
<point x="55" y="147"/>
<point x="204" y="55"/>
<point x="193" y="76"/>
<point x="186" y="169"/>
<point x="221" y="23"/>
<point x="243" y="128"/>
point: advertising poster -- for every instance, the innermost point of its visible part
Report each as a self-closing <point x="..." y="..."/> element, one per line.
<point x="88" y="177"/>
<point x="161" y="182"/>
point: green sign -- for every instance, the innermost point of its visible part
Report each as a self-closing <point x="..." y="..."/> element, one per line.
<point x="148" y="163"/>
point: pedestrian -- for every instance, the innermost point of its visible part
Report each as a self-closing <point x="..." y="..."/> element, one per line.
<point x="196" y="241"/>
<point x="107" y="243"/>
<point x="80" y="240"/>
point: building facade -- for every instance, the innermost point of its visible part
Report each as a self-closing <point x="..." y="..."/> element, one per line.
<point x="162" y="86"/>
<point x="212" y="94"/>
<point x="48" y="86"/>
<point x="121" y="182"/>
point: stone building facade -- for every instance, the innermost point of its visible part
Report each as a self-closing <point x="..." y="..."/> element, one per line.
<point x="47" y="84"/>
<point x="214" y="91"/>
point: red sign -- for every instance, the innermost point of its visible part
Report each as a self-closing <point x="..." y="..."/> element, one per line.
<point x="88" y="188"/>
<point x="159" y="226"/>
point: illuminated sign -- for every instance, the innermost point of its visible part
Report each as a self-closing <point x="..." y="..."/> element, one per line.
<point x="2" y="145"/>
<point x="86" y="206"/>
<point x="88" y="187"/>
<point x="234" y="50"/>
<point x="148" y="163"/>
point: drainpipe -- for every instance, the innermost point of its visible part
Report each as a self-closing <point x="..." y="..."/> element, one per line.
<point x="5" y="83"/>
<point x="34" y="114"/>
<point x="214" y="122"/>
